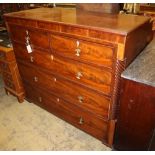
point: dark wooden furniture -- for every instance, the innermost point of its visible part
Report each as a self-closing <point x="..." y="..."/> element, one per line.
<point x="149" y="11"/>
<point x="136" y="122"/>
<point x="152" y="16"/>
<point x="10" y="73"/>
<point x="149" y="8"/>
<point x="71" y="60"/>
<point x="112" y="8"/>
<point x="11" y="7"/>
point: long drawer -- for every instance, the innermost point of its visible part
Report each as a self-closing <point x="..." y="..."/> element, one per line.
<point x="92" y="53"/>
<point x="69" y="112"/>
<point x="34" y="37"/>
<point x="82" y="97"/>
<point x="93" y="77"/>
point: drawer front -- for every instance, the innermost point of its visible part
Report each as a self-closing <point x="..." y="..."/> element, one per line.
<point x="89" y="52"/>
<point x="92" y="77"/>
<point x="95" y="78"/>
<point x="34" y="37"/>
<point x="71" y="113"/>
<point x="84" y="98"/>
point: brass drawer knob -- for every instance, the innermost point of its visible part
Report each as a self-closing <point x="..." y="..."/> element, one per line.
<point x="27" y="32"/>
<point x="77" y="52"/>
<point x="27" y="38"/>
<point x="54" y="79"/>
<point x="79" y="75"/>
<point x="77" y="43"/>
<point x="35" y="79"/>
<point x="40" y="99"/>
<point x="81" y="121"/>
<point x="52" y="57"/>
<point x="31" y="58"/>
<point x="80" y="99"/>
<point x="58" y="99"/>
<point x="27" y="43"/>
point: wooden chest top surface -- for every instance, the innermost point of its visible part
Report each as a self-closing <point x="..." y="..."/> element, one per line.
<point x="116" y="23"/>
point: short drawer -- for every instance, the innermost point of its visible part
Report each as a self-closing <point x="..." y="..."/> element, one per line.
<point x="69" y="112"/>
<point x="89" y="52"/>
<point x="80" y="96"/>
<point x="34" y="37"/>
<point x="96" y="78"/>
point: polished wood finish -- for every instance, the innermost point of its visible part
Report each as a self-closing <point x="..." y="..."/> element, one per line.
<point x="71" y="113"/>
<point x="75" y="94"/>
<point x="10" y="73"/>
<point x="152" y="16"/>
<point x="136" y="119"/>
<point x="99" y="79"/>
<point x="39" y="39"/>
<point x="149" y="11"/>
<point x="73" y="18"/>
<point x="120" y="66"/>
<point x="89" y="52"/>
<point x="78" y="57"/>
<point x="133" y="51"/>
<point x="148" y="8"/>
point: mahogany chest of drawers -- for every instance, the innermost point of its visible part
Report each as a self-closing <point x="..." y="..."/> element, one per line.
<point x="10" y="73"/>
<point x="70" y="62"/>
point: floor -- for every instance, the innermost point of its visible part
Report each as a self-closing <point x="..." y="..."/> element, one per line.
<point x="28" y="127"/>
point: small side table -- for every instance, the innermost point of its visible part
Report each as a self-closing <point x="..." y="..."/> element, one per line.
<point x="135" y="129"/>
<point x="10" y="73"/>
